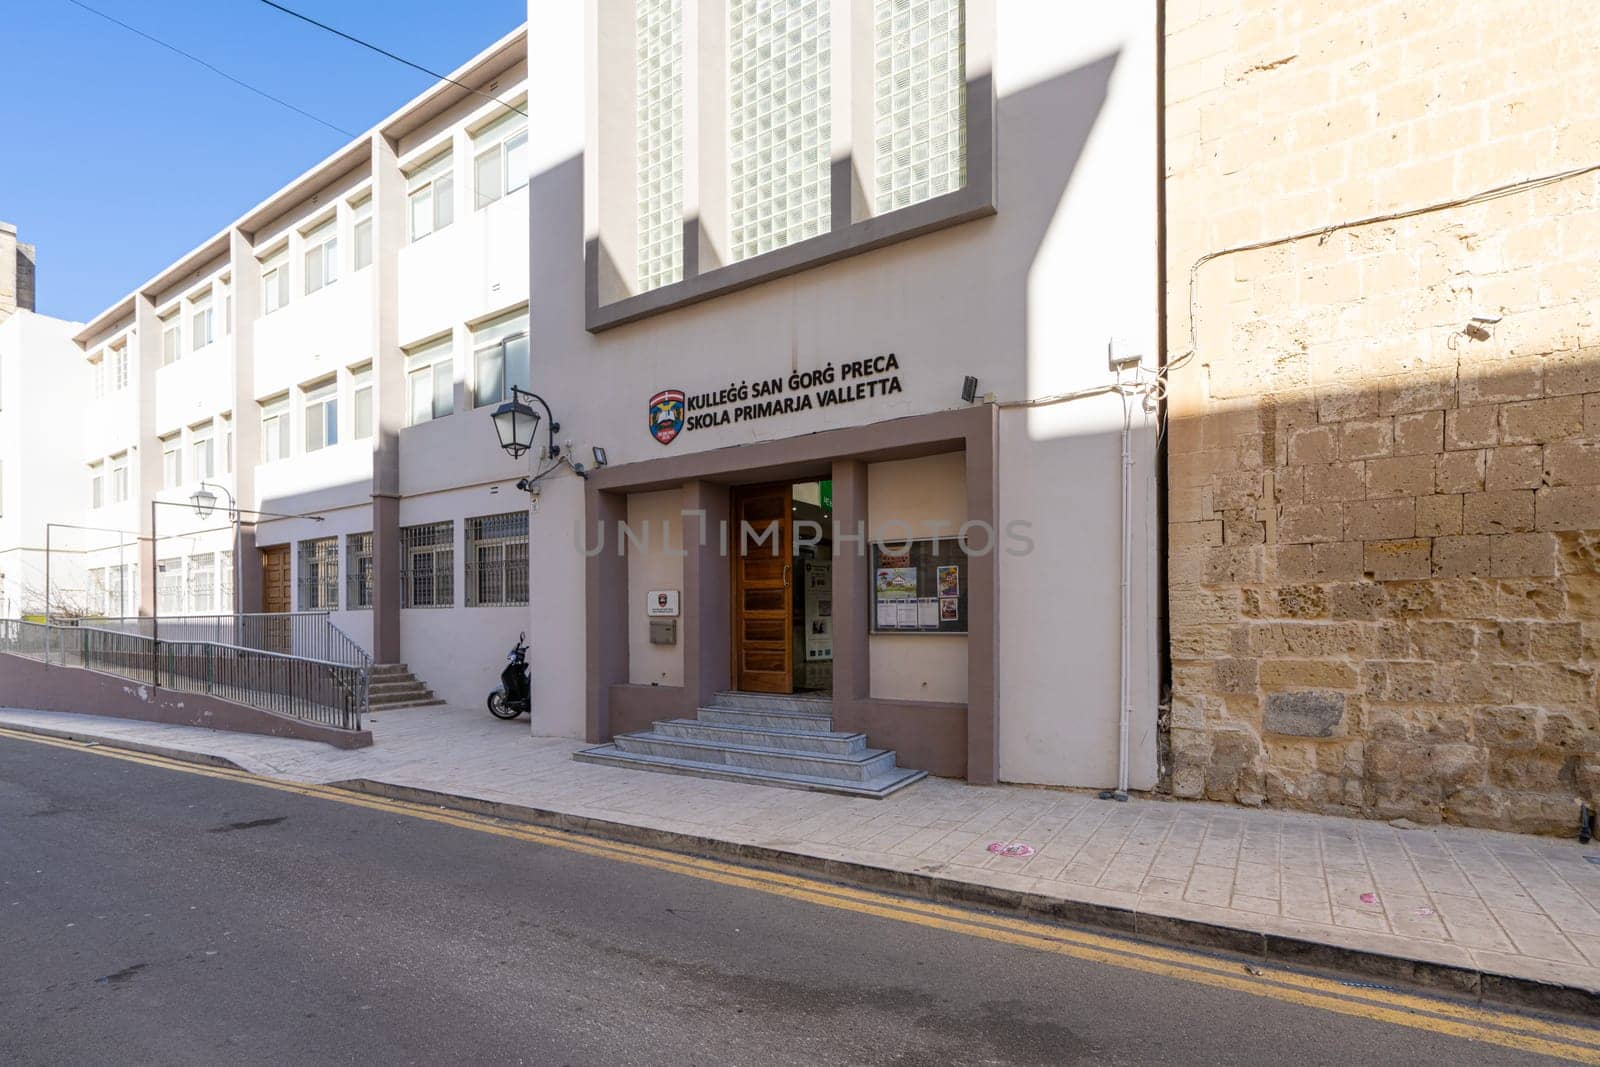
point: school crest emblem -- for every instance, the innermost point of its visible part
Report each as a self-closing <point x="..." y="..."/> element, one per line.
<point x="666" y="415"/>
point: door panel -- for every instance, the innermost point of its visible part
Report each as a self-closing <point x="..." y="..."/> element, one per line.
<point x="275" y="589"/>
<point x="763" y="590"/>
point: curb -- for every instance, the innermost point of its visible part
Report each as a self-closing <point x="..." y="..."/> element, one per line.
<point x="184" y="755"/>
<point x="1488" y="988"/>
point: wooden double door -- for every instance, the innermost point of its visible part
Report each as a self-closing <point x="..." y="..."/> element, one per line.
<point x="762" y="551"/>
<point x="276" y="634"/>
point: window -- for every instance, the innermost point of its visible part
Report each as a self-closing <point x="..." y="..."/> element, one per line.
<point x="358" y="571"/>
<point x="225" y="581"/>
<point x="119" y="368"/>
<point x="362" y="234"/>
<point x="919" y="101"/>
<point x="97" y="485"/>
<point x="119" y="479"/>
<point x="500" y="160"/>
<point x="171" y="462"/>
<point x="319" y="574"/>
<point x="431" y="192"/>
<point x="497" y="559"/>
<point x="202" y="583"/>
<point x="500" y="358"/>
<point x="779" y="148"/>
<point x="659" y="180"/>
<point x="227" y="444"/>
<point x="123" y="594"/>
<point x="98" y="370"/>
<point x="361" y="401"/>
<point x="95" y="593"/>
<point x="322" y="416"/>
<point x="203" y="452"/>
<point x="430" y="383"/>
<point x="169" y="585"/>
<point x="171" y="339"/>
<point x="427" y="565"/>
<point x="322" y="256"/>
<point x="274" y="282"/>
<point x="200" y="323"/>
<point x="275" y="430"/>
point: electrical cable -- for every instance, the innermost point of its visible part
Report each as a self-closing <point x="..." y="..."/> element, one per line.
<point x="215" y="70"/>
<point x="398" y="59"/>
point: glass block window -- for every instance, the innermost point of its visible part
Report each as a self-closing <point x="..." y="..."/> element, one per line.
<point x="778" y="125"/>
<point x="659" y="147"/>
<point x="919" y="100"/>
<point x="319" y="574"/>
<point x="358" y="571"/>
<point x="497" y="559"/>
<point x="428" y="565"/>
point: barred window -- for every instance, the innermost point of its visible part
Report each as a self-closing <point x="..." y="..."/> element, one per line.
<point x="169" y="585"/>
<point x="358" y="571"/>
<point x="497" y="559"/>
<point x="427" y="565"/>
<point x="319" y="574"/>
<point x="202" y="583"/>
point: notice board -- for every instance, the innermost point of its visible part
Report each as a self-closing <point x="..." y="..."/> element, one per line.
<point x="919" y="587"/>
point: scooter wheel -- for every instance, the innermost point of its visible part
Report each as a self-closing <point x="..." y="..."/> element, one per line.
<point x="498" y="707"/>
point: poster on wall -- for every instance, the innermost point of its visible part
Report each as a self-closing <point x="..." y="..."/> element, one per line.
<point x="818" y="586"/>
<point x="919" y="587"/>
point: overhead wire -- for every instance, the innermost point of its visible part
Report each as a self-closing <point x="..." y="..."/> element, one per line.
<point x="191" y="57"/>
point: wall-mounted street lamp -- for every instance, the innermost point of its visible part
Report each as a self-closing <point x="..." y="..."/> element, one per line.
<point x="516" y="424"/>
<point x="204" y="502"/>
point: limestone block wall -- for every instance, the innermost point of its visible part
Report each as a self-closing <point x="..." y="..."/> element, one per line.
<point x="1384" y="418"/>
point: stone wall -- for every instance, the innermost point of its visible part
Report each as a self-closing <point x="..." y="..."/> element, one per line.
<point x="16" y="273"/>
<point x="1384" y="513"/>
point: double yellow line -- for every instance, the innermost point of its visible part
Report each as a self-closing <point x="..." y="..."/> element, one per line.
<point x="1527" y="1034"/>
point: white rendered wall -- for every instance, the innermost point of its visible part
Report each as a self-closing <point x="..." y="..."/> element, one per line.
<point x="655" y="519"/>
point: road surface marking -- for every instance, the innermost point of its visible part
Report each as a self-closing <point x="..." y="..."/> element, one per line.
<point x="1545" y="1037"/>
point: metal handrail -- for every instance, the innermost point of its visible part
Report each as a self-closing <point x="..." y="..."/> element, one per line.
<point x="302" y="633"/>
<point x="303" y="687"/>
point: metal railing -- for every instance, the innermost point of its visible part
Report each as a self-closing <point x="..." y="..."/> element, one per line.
<point x="302" y="687"/>
<point x="308" y="634"/>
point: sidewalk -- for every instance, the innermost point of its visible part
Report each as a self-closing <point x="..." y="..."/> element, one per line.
<point x="1478" y="906"/>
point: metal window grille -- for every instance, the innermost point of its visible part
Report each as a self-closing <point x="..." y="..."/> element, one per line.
<point x="659" y="71"/>
<point x="358" y="570"/>
<point x="919" y="100"/>
<point x="427" y="565"/>
<point x="202" y="582"/>
<point x="779" y="123"/>
<point x="319" y="574"/>
<point x="169" y="585"/>
<point x="497" y="559"/>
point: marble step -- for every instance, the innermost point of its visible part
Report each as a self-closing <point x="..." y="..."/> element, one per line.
<point x="766" y="720"/>
<point x="791" y="702"/>
<point x="891" y="781"/>
<point x="856" y="767"/>
<point x="431" y="702"/>
<point x="829" y="743"/>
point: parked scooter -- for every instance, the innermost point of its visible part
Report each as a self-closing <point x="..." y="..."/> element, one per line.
<point x="514" y="694"/>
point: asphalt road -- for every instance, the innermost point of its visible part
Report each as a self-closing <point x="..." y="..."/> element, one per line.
<point x="154" y="915"/>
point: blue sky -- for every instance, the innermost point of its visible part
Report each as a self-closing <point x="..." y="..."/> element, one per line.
<point x="117" y="156"/>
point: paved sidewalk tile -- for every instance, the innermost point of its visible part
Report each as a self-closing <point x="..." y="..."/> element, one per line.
<point x="1524" y="906"/>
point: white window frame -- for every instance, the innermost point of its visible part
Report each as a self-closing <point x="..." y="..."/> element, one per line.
<point x="275" y="420"/>
<point x="120" y="482"/>
<point x="499" y="150"/>
<point x="432" y="184"/>
<point x="202" y="323"/>
<point x="361" y="410"/>
<point x="171" y="461"/>
<point x="493" y="345"/>
<point x="119" y="367"/>
<point x="321" y="257"/>
<point x="361" y="247"/>
<point x="202" y="565"/>
<point x="171" y="338"/>
<point x="227" y="443"/>
<point x="319" y="405"/>
<point x="97" y="484"/>
<point x="432" y="365"/>
<point x="275" y="282"/>
<point x="203" y="451"/>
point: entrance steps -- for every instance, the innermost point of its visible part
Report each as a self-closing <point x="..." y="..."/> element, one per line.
<point x="768" y="739"/>
<point x="392" y="686"/>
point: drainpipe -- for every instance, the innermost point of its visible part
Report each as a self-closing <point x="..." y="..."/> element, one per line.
<point x="1127" y="595"/>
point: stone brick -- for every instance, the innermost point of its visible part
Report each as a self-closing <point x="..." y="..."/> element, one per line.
<point x="1400" y="476"/>
<point x="1304" y="523"/>
<point x="1366" y="439"/>
<point x="1555" y="642"/>
<point x="1443" y="641"/>
<point x="1304" y="714"/>
<point x="1544" y="684"/>
<point x="1340" y="561"/>
<point x="1335" y="481"/>
<point x="1208" y="532"/>
<point x="1236" y="675"/>
<point x="1407" y="394"/>
<point x="1234" y="565"/>
<point x="1573" y="372"/>
<point x="1497" y="513"/>
<point x="1390" y="560"/>
<point x="1461" y="557"/>
<point x="1541" y="421"/>
<point x="1477" y="427"/>
<point x="1369" y="520"/>
<point x="1306" y="674"/>
<point x="1509" y="727"/>
<point x="1300" y="639"/>
<point x="1522" y="555"/>
<point x="1356" y="600"/>
<point x="1419" y="433"/>
<point x="1313" y="444"/>
<point x="1501" y="381"/>
<point x="1568" y="507"/>
<point x="1572" y="463"/>
<point x="1189" y="504"/>
<point x="1438" y="515"/>
<point x="1302" y="601"/>
<point x="1461" y="472"/>
<point x="1514" y="467"/>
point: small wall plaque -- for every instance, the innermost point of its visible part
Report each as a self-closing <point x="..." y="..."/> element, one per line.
<point x="662" y="604"/>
